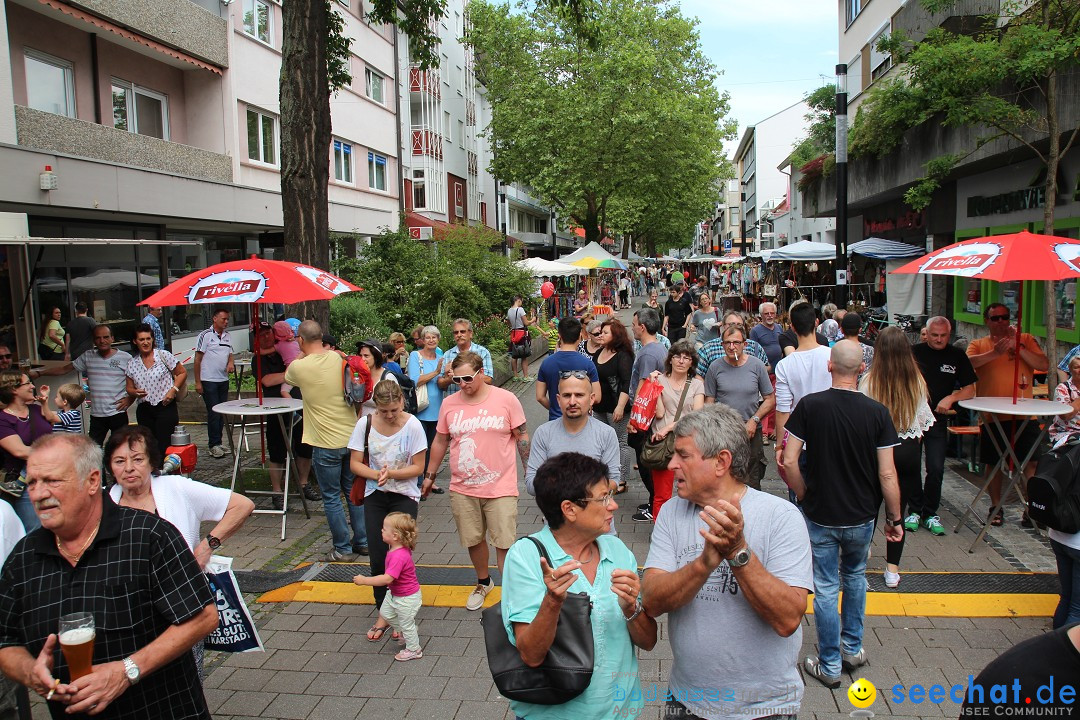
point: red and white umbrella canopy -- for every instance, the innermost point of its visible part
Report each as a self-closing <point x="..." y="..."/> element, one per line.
<point x="252" y="281"/>
<point x="1004" y="258"/>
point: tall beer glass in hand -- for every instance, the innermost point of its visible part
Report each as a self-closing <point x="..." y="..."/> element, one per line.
<point x="77" y="642"/>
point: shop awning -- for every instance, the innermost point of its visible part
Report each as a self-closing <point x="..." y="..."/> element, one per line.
<point x="884" y="249"/>
<point x="803" y="250"/>
<point x="31" y="240"/>
<point x="539" y="267"/>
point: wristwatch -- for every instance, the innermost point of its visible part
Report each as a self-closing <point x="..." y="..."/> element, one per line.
<point x="637" y="610"/>
<point x="894" y="523"/>
<point x="739" y="559"/>
<point x="756" y="419"/>
<point x="131" y="670"/>
<point x="213" y="542"/>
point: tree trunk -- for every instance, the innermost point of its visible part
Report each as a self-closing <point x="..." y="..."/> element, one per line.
<point x="305" y="141"/>
<point x="1053" y="159"/>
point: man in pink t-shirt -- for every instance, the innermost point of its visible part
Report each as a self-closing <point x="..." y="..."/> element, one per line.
<point x="481" y="425"/>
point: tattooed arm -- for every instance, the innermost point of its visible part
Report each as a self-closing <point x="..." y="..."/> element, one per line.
<point x="521" y="435"/>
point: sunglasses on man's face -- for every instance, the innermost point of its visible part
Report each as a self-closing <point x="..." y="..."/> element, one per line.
<point x="459" y="379"/>
<point x="998" y="318"/>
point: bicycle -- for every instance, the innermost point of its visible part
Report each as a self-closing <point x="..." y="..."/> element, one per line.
<point x="911" y="325"/>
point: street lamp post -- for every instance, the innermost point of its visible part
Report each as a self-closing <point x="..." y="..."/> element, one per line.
<point x="841" y="185"/>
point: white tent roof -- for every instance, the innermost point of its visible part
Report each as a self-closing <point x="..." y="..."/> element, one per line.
<point x="539" y="267"/>
<point x="592" y="252"/>
<point x="884" y="249"/>
<point x="804" y="250"/>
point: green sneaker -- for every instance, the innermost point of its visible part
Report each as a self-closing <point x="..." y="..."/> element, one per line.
<point x="911" y="522"/>
<point x="933" y="524"/>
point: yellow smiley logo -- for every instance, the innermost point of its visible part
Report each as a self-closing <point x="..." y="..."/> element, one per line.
<point x="862" y="693"/>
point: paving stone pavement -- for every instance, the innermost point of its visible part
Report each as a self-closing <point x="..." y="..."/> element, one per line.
<point x="318" y="663"/>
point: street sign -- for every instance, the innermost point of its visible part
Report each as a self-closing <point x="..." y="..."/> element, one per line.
<point x="727" y="245"/>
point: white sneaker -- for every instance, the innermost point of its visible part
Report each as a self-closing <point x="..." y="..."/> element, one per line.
<point x="477" y="596"/>
<point x="891" y="579"/>
<point x="218" y="451"/>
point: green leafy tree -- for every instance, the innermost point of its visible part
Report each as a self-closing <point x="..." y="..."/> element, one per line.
<point x="612" y="129"/>
<point x="821" y="135"/>
<point x="1002" y="81"/>
<point x="314" y="64"/>
<point x="407" y="283"/>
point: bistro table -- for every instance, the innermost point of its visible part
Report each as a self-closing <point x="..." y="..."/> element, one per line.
<point x="1008" y="464"/>
<point x="240" y="365"/>
<point x="238" y="412"/>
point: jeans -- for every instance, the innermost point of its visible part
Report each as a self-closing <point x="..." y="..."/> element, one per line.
<point x="1068" y="562"/>
<point x="377" y="506"/>
<point x="25" y="510"/>
<point x="926" y="499"/>
<point x="839" y="560"/>
<point x="213" y="393"/>
<point x="331" y="466"/>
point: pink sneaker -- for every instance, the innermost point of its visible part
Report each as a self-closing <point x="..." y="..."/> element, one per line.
<point x="406" y="655"/>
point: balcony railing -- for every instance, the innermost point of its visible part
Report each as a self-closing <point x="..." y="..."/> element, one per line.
<point x="426" y="81"/>
<point x="427" y="142"/>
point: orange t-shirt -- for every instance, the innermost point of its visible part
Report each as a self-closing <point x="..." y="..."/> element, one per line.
<point x="996" y="376"/>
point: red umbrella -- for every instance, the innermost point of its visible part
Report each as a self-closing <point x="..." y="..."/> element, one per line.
<point x="1004" y="258"/>
<point x="251" y="281"/>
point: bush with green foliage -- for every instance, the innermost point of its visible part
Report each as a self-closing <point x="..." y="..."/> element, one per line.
<point x="460" y="274"/>
<point x="352" y="318"/>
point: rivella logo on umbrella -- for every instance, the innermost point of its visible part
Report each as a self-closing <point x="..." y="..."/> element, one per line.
<point x="322" y="279"/>
<point x="963" y="260"/>
<point x="239" y="286"/>
<point x="1069" y="254"/>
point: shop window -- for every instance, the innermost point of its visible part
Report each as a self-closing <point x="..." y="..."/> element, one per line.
<point x="257" y="14"/>
<point x="973" y="295"/>
<point x="1065" y="303"/>
<point x="1009" y="296"/>
<point x="139" y="110"/>
<point x="50" y="84"/>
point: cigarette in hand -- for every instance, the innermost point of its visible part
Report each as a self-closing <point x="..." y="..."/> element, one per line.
<point x="52" y="691"/>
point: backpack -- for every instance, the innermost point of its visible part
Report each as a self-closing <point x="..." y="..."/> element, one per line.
<point x="356" y="380"/>
<point x="1054" y="490"/>
<point x="408" y="389"/>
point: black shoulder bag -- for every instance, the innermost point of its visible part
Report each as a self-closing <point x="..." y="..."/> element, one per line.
<point x="567" y="669"/>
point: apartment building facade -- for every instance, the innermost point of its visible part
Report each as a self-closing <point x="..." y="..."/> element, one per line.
<point x="995" y="189"/>
<point x="156" y="126"/>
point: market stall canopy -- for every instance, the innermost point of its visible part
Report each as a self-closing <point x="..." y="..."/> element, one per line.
<point x="593" y="256"/>
<point x="803" y="250"/>
<point x="539" y="267"/>
<point x="883" y="249"/>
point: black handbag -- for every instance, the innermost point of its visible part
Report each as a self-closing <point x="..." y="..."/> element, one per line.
<point x="657" y="455"/>
<point x="568" y="667"/>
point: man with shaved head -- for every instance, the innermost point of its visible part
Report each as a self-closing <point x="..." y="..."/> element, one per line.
<point x="849" y="442"/>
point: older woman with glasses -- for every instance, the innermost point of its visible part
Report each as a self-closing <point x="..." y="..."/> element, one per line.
<point x="576" y="498"/>
<point x="679" y="374"/>
<point x="741" y="382"/>
<point x="425" y="367"/>
<point x="590" y="342"/>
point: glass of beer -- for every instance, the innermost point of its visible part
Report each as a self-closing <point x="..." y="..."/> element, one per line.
<point x="77" y="642"/>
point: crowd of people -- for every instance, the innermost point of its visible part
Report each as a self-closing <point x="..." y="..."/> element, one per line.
<point x="853" y="426"/>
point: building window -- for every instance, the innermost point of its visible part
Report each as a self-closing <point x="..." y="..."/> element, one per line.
<point x="262" y="137"/>
<point x="374" y="84"/>
<point x="880" y="62"/>
<point x="461" y="133"/>
<point x="50" y="84"/>
<point x="376" y="169"/>
<point x="343" y="162"/>
<point x="419" y="190"/>
<point x="854" y="7"/>
<point x="139" y="110"/>
<point x="446" y="127"/>
<point x="257" y="19"/>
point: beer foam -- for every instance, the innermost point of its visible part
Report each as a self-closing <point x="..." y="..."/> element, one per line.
<point x="78" y="636"/>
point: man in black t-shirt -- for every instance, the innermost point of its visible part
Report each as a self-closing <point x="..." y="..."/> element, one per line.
<point x="676" y="310"/>
<point x="949" y="378"/>
<point x="849" y="442"/>
<point x="1035" y="677"/>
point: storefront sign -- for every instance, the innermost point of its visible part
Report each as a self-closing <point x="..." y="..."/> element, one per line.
<point x="1005" y="203"/>
<point x="911" y="220"/>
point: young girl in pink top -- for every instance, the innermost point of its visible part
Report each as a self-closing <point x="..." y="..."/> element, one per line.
<point x="401" y="604"/>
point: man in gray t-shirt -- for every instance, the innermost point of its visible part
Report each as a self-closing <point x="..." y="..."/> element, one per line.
<point x="736" y="597"/>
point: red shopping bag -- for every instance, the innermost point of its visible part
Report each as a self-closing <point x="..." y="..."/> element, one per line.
<point x="644" y="408"/>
